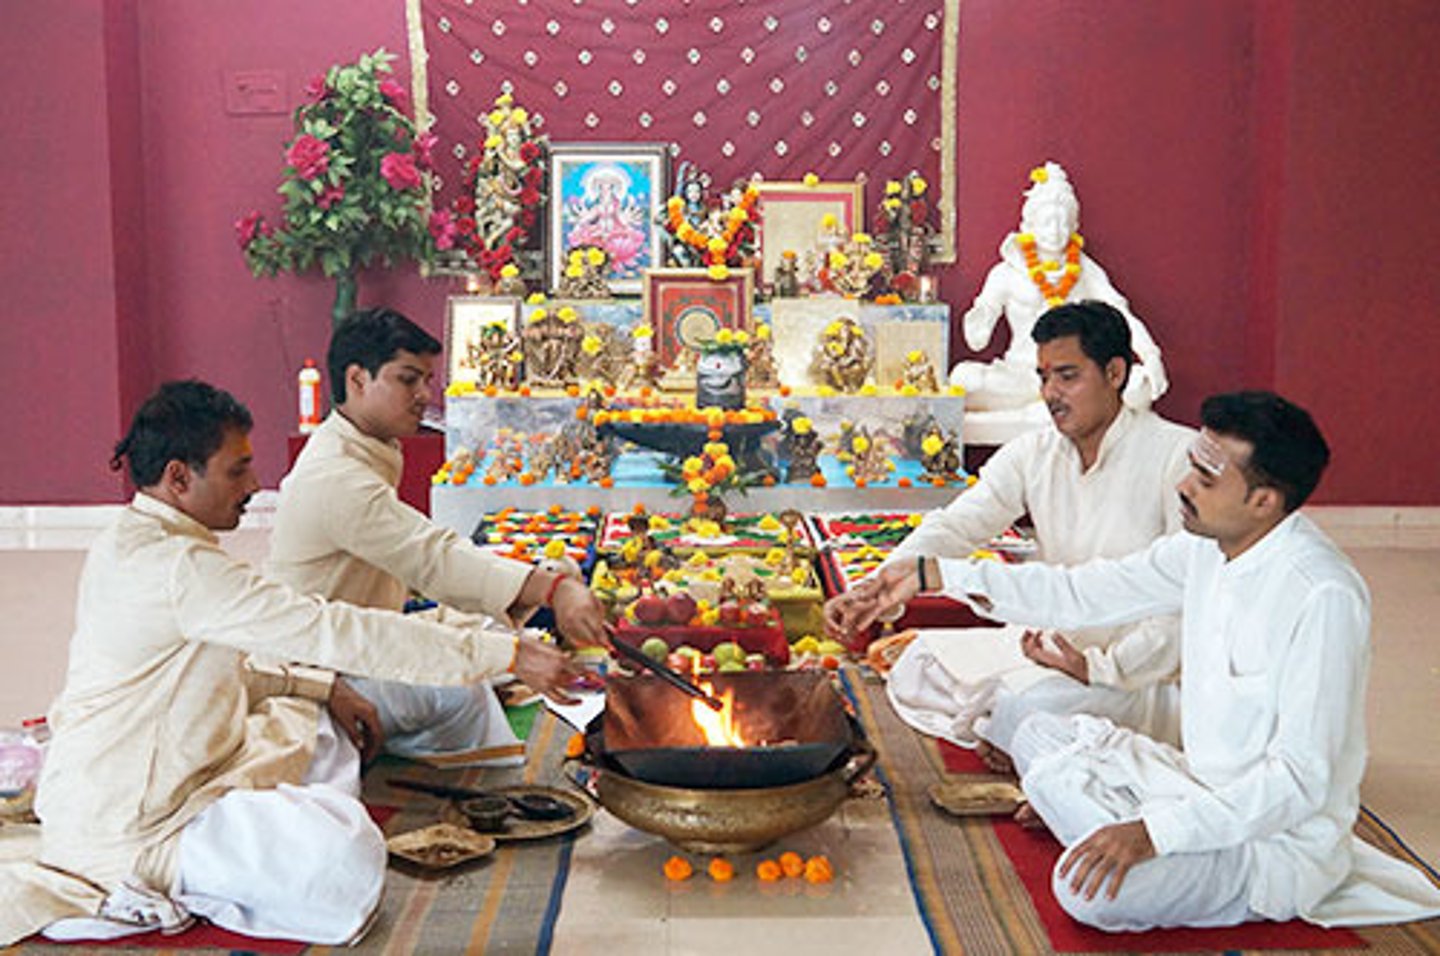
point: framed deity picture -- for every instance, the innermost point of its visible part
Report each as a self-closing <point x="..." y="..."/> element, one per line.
<point x="474" y="326"/>
<point x="685" y="307"/>
<point x="793" y="217"/>
<point x="607" y="195"/>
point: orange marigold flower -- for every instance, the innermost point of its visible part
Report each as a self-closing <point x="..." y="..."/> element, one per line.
<point x="904" y="482"/>
<point x="678" y="868"/>
<point x="572" y="390"/>
<point x="769" y="871"/>
<point x="491" y="391"/>
<point x="784" y="390"/>
<point x="721" y="870"/>
<point x="818" y="870"/>
<point x="792" y="863"/>
<point x="575" y="746"/>
<point x="607" y="482"/>
<point x="525" y="391"/>
<point x="527" y="479"/>
<point x="817" y="480"/>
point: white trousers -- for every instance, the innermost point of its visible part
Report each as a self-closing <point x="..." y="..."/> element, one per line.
<point x="422" y="721"/>
<point x="301" y="862"/>
<point x="1075" y="797"/>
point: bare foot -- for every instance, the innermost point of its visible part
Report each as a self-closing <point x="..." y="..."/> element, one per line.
<point x="1026" y="816"/>
<point x="997" y="760"/>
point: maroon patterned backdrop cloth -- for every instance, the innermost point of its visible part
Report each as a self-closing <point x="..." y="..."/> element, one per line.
<point x="782" y="88"/>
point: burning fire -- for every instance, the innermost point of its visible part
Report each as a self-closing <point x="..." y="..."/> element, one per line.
<point x="718" y="726"/>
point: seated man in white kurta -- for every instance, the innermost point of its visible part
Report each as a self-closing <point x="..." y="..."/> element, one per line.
<point x="1254" y="819"/>
<point x="180" y="781"/>
<point x="342" y="532"/>
<point x="1097" y="483"/>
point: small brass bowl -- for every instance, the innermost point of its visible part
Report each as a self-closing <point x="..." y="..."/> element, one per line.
<point x="486" y="814"/>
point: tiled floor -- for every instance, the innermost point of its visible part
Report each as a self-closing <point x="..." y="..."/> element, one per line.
<point x="39" y="568"/>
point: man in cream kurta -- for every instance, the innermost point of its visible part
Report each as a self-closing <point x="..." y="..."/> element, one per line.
<point x="342" y="532"/>
<point x="1253" y="820"/>
<point x="1097" y="483"/>
<point x="178" y="779"/>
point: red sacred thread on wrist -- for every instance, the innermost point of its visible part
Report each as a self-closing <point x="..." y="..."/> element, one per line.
<point x="554" y="586"/>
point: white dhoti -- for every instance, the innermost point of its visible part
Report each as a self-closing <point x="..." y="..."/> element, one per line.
<point x="298" y="862"/>
<point x="466" y="724"/>
<point x="1078" y="781"/>
<point x="975" y="683"/>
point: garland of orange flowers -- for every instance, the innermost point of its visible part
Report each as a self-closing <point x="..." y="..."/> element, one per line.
<point x="717" y="250"/>
<point x="1056" y="292"/>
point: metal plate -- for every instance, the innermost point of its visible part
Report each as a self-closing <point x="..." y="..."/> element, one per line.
<point x="518" y="828"/>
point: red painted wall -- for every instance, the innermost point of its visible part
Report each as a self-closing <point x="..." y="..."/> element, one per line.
<point x="1231" y="156"/>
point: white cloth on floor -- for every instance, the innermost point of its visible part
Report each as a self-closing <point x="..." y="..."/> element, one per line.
<point x="1276" y="652"/>
<point x="1122" y="503"/>
<point x="342" y="532"/>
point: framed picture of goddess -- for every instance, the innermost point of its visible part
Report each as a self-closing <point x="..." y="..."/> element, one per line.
<point x="610" y="196"/>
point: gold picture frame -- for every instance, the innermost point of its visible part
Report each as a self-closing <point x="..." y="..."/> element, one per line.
<point x="791" y="213"/>
<point x="466" y="316"/>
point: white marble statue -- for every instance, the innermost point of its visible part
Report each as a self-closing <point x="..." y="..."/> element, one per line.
<point x="1042" y="266"/>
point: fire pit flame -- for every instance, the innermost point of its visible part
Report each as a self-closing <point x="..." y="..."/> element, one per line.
<point x="718" y="726"/>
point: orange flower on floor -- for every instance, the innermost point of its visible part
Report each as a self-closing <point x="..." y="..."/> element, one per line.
<point x="678" y="868"/>
<point x="818" y="480"/>
<point x="818" y="870"/>
<point x="575" y="746"/>
<point x="721" y="870"/>
<point x="768" y="871"/>
<point x="792" y="863"/>
<point x="607" y="482"/>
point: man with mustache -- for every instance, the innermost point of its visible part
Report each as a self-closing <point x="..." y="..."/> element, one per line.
<point x="1096" y="484"/>
<point x="182" y="781"/>
<point x="1253" y="819"/>
<point x="341" y="532"/>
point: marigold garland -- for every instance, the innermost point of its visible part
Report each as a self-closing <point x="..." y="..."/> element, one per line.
<point x="1055" y="293"/>
<point x="726" y="248"/>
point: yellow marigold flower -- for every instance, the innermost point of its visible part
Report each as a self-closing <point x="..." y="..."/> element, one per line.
<point x="932" y="444"/>
<point x="697" y="485"/>
<point x="762" y="331"/>
<point x="516" y="356"/>
<point x="692" y="466"/>
<point x="630" y="550"/>
<point x="775" y="557"/>
<point x="504" y="99"/>
<point x="874" y="260"/>
<point x="590" y="345"/>
<point x="554" y="548"/>
<point x="719" y="272"/>
<point x="737" y="214"/>
<point x="535" y="298"/>
<point x="768" y="523"/>
<point x="1072" y="268"/>
<point x="492" y="141"/>
<point x="913" y="519"/>
<point x="825" y="391"/>
<point x="1049" y="265"/>
<point x="908" y="390"/>
<point x="891" y="204"/>
<point x="835" y="348"/>
<point x="801" y="426"/>
<point x="653" y="558"/>
<point x="717" y="244"/>
<point x="699" y="560"/>
<point x="539" y="315"/>
<point x="496" y="118"/>
<point x="725" y="463"/>
<point x="659" y="523"/>
<point x="863" y="238"/>
<point x="574" y="270"/>
<point x="828" y="221"/>
<point x="518" y="116"/>
<point x="914" y="356"/>
<point x="850" y="470"/>
<point x="567" y="313"/>
<point x="867" y="389"/>
<point x="1024" y="238"/>
<point x="715" y="448"/>
<point x="1054" y="300"/>
<point x="742" y="337"/>
<point x="833" y="329"/>
<point x="711" y="617"/>
<point x="1078" y="239"/>
<point x="509" y="270"/>
<point x="860" y="443"/>
<point x="596" y="256"/>
<point x="811" y="180"/>
<point x="800" y="576"/>
<point x="724" y="337"/>
<point x="838" y="259"/>
<point x="642" y="331"/>
<point x="892" y="187"/>
<point x="918" y="185"/>
<point x="970" y="480"/>
<point x="957" y="389"/>
<point x="1039" y="174"/>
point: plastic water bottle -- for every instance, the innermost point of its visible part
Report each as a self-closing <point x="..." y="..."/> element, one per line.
<point x="20" y="758"/>
<point x="310" y="400"/>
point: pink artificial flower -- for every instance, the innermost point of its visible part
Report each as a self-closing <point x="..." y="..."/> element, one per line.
<point x="330" y="196"/>
<point x="399" y="171"/>
<point x="424" y="143"/>
<point x="309" y="156"/>
<point x="442" y="229"/>
<point x="245" y="229"/>
<point x="317" y="89"/>
<point x="395" y="93"/>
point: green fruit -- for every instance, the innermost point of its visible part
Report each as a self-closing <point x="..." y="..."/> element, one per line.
<point x="730" y="666"/>
<point x="685" y="650"/>
<point x="655" y="648"/>
<point x="728" y="651"/>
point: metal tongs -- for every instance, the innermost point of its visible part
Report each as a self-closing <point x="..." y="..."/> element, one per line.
<point x="673" y="678"/>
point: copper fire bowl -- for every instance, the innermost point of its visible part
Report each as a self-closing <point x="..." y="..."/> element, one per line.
<point x="731" y="821"/>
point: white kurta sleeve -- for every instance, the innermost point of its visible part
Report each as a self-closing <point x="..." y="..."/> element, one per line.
<point x="1146" y="654"/>
<point x="365" y="517"/>
<point x="1097" y="594"/>
<point x="1318" y="683"/>
<point x="223" y="601"/>
<point x="977" y="514"/>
